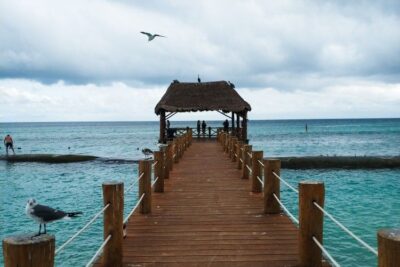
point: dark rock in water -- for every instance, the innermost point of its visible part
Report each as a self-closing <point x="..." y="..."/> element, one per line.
<point x="340" y="162"/>
<point x="18" y="148"/>
<point x="47" y="158"/>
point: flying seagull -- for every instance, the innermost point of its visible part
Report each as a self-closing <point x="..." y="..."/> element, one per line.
<point x="151" y="36"/>
<point x="44" y="214"/>
<point x="147" y="152"/>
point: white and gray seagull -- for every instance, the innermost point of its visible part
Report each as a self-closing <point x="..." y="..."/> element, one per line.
<point x="44" y="214"/>
<point x="151" y="36"/>
<point x="147" y="152"/>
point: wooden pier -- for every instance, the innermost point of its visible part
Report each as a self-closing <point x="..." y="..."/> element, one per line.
<point x="208" y="217"/>
<point x="218" y="205"/>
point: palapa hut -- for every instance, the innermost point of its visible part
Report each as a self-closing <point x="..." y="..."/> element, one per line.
<point x="217" y="96"/>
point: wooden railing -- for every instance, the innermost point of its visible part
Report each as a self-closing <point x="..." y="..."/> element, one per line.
<point x="264" y="175"/>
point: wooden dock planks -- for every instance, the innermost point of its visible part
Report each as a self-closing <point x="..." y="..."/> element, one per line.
<point x="208" y="217"/>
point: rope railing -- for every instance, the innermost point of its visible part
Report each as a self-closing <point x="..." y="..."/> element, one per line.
<point x="97" y="254"/>
<point x="250" y="170"/>
<point x="154" y="182"/>
<point x="133" y="184"/>
<point x="260" y="180"/>
<point x="82" y="229"/>
<point x="344" y="228"/>
<point x="262" y="164"/>
<point x="249" y="154"/>
<point x="134" y="208"/>
<point x="325" y="252"/>
<point x="154" y="164"/>
<point x="241" y="160"/>
<point x="286" y="210"/>
<point x="286" y="183"/>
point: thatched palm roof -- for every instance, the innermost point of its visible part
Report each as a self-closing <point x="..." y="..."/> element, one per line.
<point x="207" y="96"/>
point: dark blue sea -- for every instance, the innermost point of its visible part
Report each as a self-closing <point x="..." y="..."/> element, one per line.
<point x="363" y="200"/>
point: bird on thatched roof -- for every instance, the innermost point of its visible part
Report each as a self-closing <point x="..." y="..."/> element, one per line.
<point x="231" y="85"/>
<point x="147" y="152"/>
<point x="198" y="78"/>
<point x="151" y="36"/>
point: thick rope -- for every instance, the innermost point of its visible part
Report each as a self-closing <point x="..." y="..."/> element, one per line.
<point x="346" y="229"/>
<point x="134" y="209"/>
<point x="326" y="253"/>
<point x="97" y="254"/>
<point x="286" y="183"/>
<point x="82" y="229"/>
<point x="133" y="184"/>
<point x="286" y="210"/>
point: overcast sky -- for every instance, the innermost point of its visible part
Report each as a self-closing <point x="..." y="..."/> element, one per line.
<point x="86" y="60"/>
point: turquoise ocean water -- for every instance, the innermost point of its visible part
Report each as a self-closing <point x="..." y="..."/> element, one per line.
<point x="364" y="200"/>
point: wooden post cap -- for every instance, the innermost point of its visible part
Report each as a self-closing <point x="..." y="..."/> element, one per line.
<point x="388" y="247"/>
<point x="25" y="250"/>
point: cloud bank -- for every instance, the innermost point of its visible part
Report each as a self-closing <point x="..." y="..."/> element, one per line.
<point x="283" y="48"/>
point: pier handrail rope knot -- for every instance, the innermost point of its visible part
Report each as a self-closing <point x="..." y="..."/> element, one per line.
<point x="134" y="208"/>
<point x="344" y="228"/>
<point x="325" y="252"/>
<point x="82" y="229"/>
<point x="133" y="184"/>
<point x="97" y="254"/>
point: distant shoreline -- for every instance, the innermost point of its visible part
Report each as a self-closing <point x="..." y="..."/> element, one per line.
<point x="306" y="162"/>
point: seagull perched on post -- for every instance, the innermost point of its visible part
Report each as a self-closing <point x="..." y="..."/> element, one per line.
<point x="44" y="214"/>
<point x="152" y="36"/>
<point x="147" y="152"/>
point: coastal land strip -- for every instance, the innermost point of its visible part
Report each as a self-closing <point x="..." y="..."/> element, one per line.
<point x="307" y="162"/>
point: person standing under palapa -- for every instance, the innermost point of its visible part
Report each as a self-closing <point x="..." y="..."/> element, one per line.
<point x="203" y="127"/>
<point x="9" y="143"/>
<point x="198" y="128"/>
<point x="226" y="126"/>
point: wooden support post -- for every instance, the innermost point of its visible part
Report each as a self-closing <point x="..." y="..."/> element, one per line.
<point x="239" y="146"/>
<point x="27" y="251"/>
<point x="170" y="156"/>
<point x="244" y="130"/>
<point x="162" y="127"/>
<point x="256" y="186"/>
<point x="113" y="194"/>
<point x="271" y="186"/>
<point x="159" y="171"/>
<point x="226" y="143"/>
<point x="224" y="137"/>
<point x="310" y="222"/>
<point x="233" y="149"/>
<point x="175" y="149"/>
<point x="145" y="186"/>
<point x="166" y="160"/>
<point x="388" y="248"/>
<point x="245" y="171"/>
<point x="233" y="124"/>
<point x="209" y="132"/>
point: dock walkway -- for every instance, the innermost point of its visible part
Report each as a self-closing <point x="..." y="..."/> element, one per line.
<point x="208" y="216"/>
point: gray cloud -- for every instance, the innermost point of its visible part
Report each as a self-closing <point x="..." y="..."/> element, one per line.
<point x="281" y="44"/>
